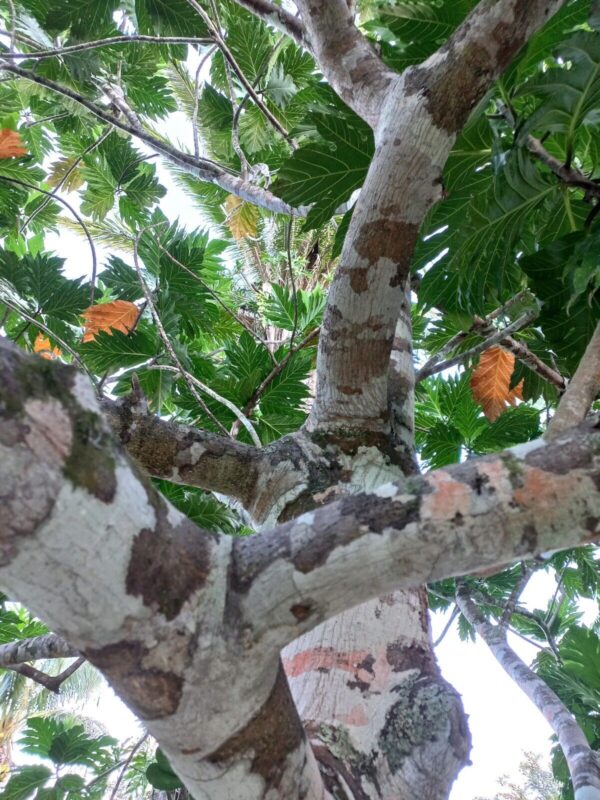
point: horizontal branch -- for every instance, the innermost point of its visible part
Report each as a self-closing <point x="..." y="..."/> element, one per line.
<point x="485" y="513"/>
<point x="201" y="168"/>
<point x="111" y="40"/>
<point x="50" y="682"/>
<point x="182" y="454"/>
<point x="49" y="645"/>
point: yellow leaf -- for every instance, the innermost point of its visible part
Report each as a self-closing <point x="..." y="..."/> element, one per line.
<point x="119" y="315"/>
<point x="42" y="347"/>
<point x="242" y="217"/>
<point x="59" y="169"/>
<point x="490" y="383"/>
<point x="11" y="144"/>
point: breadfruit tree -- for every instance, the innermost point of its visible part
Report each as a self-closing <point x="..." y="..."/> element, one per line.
<point x="393" y="281"/>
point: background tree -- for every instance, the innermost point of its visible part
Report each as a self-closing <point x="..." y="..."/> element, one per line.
<point x="432" y="166"/>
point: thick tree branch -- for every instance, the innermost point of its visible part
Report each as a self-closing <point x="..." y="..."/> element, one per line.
<point x="424" y="110"/>
<point x="38" y="647"/>
<point x="581" y="391"/>
<point x="188" y="625"/>
<point x="201" y="168"/>
<point x="183" y="454"/>
<point x="346" y="58"/>
<point x="278" y="17"/>
<point x="582" y="761"/>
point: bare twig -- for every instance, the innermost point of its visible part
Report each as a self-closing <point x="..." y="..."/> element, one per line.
<point x="111" y="40"/>
<point x="64" y="178"/>
<point x="568" y="175"/>
<point x="290" y="266"/>
<point x="33" y="321"/>
<point x="50" y="682"/>
<point x="239" y="319"/>
<point x="495" y="338"/>
<point x="581" y="391"/>
<point x="80" y="221"/>
<point x="203" y="61"/>
<point x="218" y="39"/>
<point x="447" y="626"/>
<point x="128" y="761"/>
<point x="509" y="609"/>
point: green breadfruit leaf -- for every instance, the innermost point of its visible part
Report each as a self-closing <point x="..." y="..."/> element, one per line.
<point x="273" y="426"/>
<point x="289" y="389"/>
<point x="99" y="197"/>
<point x="147" y="90"/>
<point x="280" y="87"/>
<point x="482" y="259"/>
<point x="24" y="782"/>
<point x="570" y="93"/>
<point x="201" y="507"/>
<point x="514" y="426"/>
<point x="160" y="774"/>
<point x="567" y="325"/>
<point x="119" y="350"/>
<point x="122" y="279"/>
<point x="168" y="18"/>
<point x="326" y="172"/>
<point x="73" y="746"/>
<point x="250" y="41"/>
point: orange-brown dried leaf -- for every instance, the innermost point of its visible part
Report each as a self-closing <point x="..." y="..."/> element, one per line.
<point x="118" y="315"/>
<point x="11" y="145"/>
<point x="490" y="382"/>
<point x="242" y="217"/>
<point x="42" y="347"/>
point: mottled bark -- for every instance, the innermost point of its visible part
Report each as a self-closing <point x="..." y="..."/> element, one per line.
<point x="345" y="57"/>
<point x="582" y="761"/>
<point x="47" y="646"/>
<point x="278" y="17"/>
<point x="581" y="391"/>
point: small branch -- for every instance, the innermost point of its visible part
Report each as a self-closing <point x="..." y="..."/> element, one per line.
<point x="568" y="175"/>
<point x="511" y="604"/>
<point x="165" y="339"/>
<point x="535" y="364"/>
<point x="495" y="338"/>
<point x="67" y="205"/>
<point x="183" y="454"/>
<point x="581" y="760"/>
<point x="111" y="40"/>
<point x="64" y="178"/>
<point x="278" y="17"/>
<point x="215" y="396"/>
<point x="290" y="266"/>
<point x="581" y="391"/>
<point x="230" y="58"/>
<point x="50" y="682"/>
<point x="33" y="321"/>
<point x="447" y="626"/>
<point x="204" y="169"/>
<point x="128" y="761"/>
<point x="258" y="393"/>
<point x="216" y="298"/>
<point x="49" y="645"/>
<point x="203" y="61"/>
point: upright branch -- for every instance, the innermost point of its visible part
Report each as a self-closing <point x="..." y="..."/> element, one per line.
<point x="583" y="762"/>
<point x="581" y="391"/>
<point x="346" y="58"/>
<point x="423" y="111"/>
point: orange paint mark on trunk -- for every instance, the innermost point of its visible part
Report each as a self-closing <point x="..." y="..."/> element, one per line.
<point x="356" y="716"/>
<point x="322" y="658"/>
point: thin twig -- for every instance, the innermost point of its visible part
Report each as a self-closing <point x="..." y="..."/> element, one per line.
<point x="13" y="28"/>
<point x="509" y="609"/>
<point x="203" y="61"/>
<point x="50" y="682"/>
<point x="447" y="626"/>
<point x="166" y="341"/>
<point x="568" y="175"/>
<point x="53" y="336"/>
<point x="75" y="215"/>
<point x="64" y="179"/>
<point x="111" y="40"/>
<point x="495" y="338"/>
<point x="128" y="761"/>
<point x="581" y="391"/>
<point x="290" y="266"/>
<point x="216" y="297"/>
<point x="218" y="39"/>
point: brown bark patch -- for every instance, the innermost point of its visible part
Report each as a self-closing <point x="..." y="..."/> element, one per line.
<point x="562" y="457"/>
<point x="269" y="738"/>
<point x="359" y="279"/>
<point x="301" y="611"/>
<point x="167" y="566"/>
<point x="151" y="693"/>
<point x="402" y="657"/>
<point x="389" y="238"/>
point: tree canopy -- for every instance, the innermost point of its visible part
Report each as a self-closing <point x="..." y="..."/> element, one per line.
<point x="104" y="105"/>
